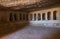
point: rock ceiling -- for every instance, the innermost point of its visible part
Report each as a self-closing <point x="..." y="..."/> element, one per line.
<point x="10" y="3"/>
<point x="18" y="4"/>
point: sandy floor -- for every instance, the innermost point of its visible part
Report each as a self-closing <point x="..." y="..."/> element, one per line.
<point x="33" y="32"/>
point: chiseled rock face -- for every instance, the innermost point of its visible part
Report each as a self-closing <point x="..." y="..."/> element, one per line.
<point x="9" y="3"/>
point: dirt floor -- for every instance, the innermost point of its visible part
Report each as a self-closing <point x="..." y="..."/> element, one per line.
<point x="32" y="32"/>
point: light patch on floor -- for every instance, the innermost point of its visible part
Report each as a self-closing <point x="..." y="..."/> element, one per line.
<point x="33" y="32"/>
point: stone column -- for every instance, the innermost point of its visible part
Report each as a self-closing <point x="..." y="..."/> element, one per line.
<point x="46" y="16"/>
<point x="22" y="16"/>
<point x="13" y="16"/>
<point x="32" y="17"/>
<point x="8" y="17"/>
<point x="41" y="16"/>
<point x="58" y="15"/>
<point x="18" y="15"/>
<point x="37" y="16"/>
<point x="28" y="17"/>
<point x="25" y="16"/>
<point x="51" y="15"/>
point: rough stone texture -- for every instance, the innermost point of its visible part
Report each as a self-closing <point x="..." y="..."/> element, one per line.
<point x="23" y="31"/>
<point x="34" y="32"/>
<point x="9" y="3"/>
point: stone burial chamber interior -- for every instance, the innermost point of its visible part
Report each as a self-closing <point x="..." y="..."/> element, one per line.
<point x="15" y="14"/>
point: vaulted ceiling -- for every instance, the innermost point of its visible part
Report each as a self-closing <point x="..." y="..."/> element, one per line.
<point x="26" y="4"/>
